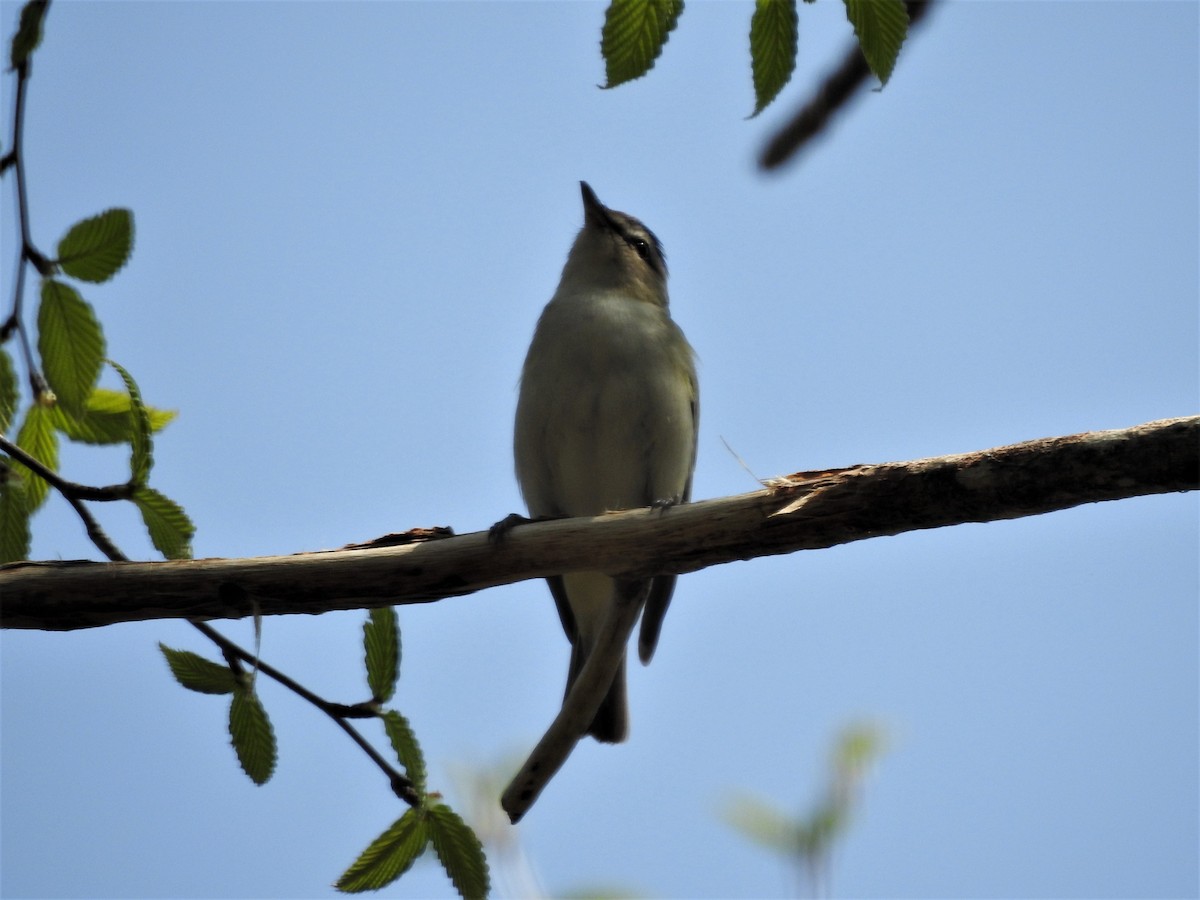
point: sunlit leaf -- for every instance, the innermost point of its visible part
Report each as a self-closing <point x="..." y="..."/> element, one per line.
<point x="459" y="851"/>
<point x="169" y="527"/>
<point x="9" y="394"/>
<point x="142" y="449"/>
<point x="252" y="736"/>
<point x="106" y="418"/>
<point x="381" y="640"/>
<point x="15" y="536"/>
<point x="389" y="856"/>
<point x="196" y="673"/>
<point x="38" y="438"/>
<point x="881" y="26"/>
<point x="95" y="249"/>
<point x="70" y="341"/>
<point x="774" y="37"/>
<point x="408" y="751"/>
<point x="635" y="32"/>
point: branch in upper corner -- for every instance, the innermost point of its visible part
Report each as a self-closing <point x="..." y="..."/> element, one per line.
<point x="805" y="511"/>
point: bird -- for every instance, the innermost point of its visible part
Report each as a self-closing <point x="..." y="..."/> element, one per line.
<point x="607" y="418"/>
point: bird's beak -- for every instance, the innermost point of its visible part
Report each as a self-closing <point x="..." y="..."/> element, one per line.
<point x="594" y="212"/>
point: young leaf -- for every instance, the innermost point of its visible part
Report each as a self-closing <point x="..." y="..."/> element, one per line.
<point x="95" y="249"/>
<point x="37" y="438"/>
<point x="29" y="32"/>
<point x="196" y="673"/>
<point x="252" y="736"/>
<point x="169" y="527"/>
<point x="389" y="856"/>
<point x="70" y="342"/>
<point x="881" y="26"/>
<point x="381" y="639"/>
<point x="408" y="751"/>
<point x="142" y="455"/>
<point x="774" y="37"/>
<point x="459" y="851"/>
<point x="106" y="419"/>
<point x="635" y="32"/>
<point x="15" y="536"/>
<point x="8" y="390"/>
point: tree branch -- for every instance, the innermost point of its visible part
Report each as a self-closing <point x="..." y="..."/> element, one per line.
<point x="805" y="511"/>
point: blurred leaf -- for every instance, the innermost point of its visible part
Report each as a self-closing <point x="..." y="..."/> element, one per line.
<point x="106" y="419"/>
<point x="196" y="673"/>
<point x="881" y="26"/>
<point x="459" y="851"/>
<point x="635" y="32"/>
<point x="70" y="342"/>
<point x="408" y="751"/>
<point x="170" y="528"/>
<point x="95" y="249"/>
<point x="142" y="455"/>
<point x="14" y="512"/>
<point x="859" y="747"/>
<point x="774" y="37"/>
<point x="253" y="737"/>
<point x="381" y="639"/>
<point x="389" y="856"/>
<point x="29" y="32"/>
<point x="9" y="395"/>
<point x="761" y="823"/>
<point x="38" y="439"/>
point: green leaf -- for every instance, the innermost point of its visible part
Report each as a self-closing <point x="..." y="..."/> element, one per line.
<point x="106" y="419"/>
<point x="774" y="37"/>
<point x="95" y="249"/>
<point x="762" y="824"/>
<point x="15" y="536"/>
<point x="38" y="439"/>
<point x="170" y="528"/>
<point x="142" y="455"/>
<point x="381" y="639"/>
<point x="881" y="26"/>
<point x="70" y="342"/>
<point x="408" y="751"/>
<point x="253" y="737"/>
<point x="196" y="673"/>
<point x="9" y="395"/>
<point x="29" y="32"/>
<point x="389" y="856"/>
<point x="459" y="851"/>
<point x="635" y="32"/>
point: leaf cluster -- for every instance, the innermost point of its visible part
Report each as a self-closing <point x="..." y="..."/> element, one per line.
<point x="635" y="32"/>
<point x="427" y="823"/>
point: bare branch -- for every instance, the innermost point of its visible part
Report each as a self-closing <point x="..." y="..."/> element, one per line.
<point x="805" y="511"/>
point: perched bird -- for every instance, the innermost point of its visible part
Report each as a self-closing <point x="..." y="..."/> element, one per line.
<point x="607" y="419"/>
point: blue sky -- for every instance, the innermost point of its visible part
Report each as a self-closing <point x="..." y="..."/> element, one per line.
<point x="348" y="219"/>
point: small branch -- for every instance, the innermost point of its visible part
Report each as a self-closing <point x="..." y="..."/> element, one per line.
<point x="837" y="89"/>
<point x="69" y="489"/>
<point x="805" y="511"/>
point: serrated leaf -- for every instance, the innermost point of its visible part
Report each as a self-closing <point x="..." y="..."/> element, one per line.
<point x="170" y="529"/>
<point x="38" y="438"/>
<point x="9" y="395"/>
<point x="774" y="37"/>
<point x="381" y="641"/>
<point x="70" y="341"/>
<point x="15" y="537"/>
<point x="29" y="32"/>
<point x="459" y="851"/>
<point x="95" y="249"/>
<point x="408" y="751"/>
<point x="141" y="447"/>
<point x="106" y="419"/>
<point x="634" y="34"/>
<point x="196" y="673"/>
<point x="881" y="26"/>
<point x="389" y="856"/>
<point x="252" y="736"/>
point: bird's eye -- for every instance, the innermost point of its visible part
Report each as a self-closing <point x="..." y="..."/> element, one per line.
<point x="641" y="246"/>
